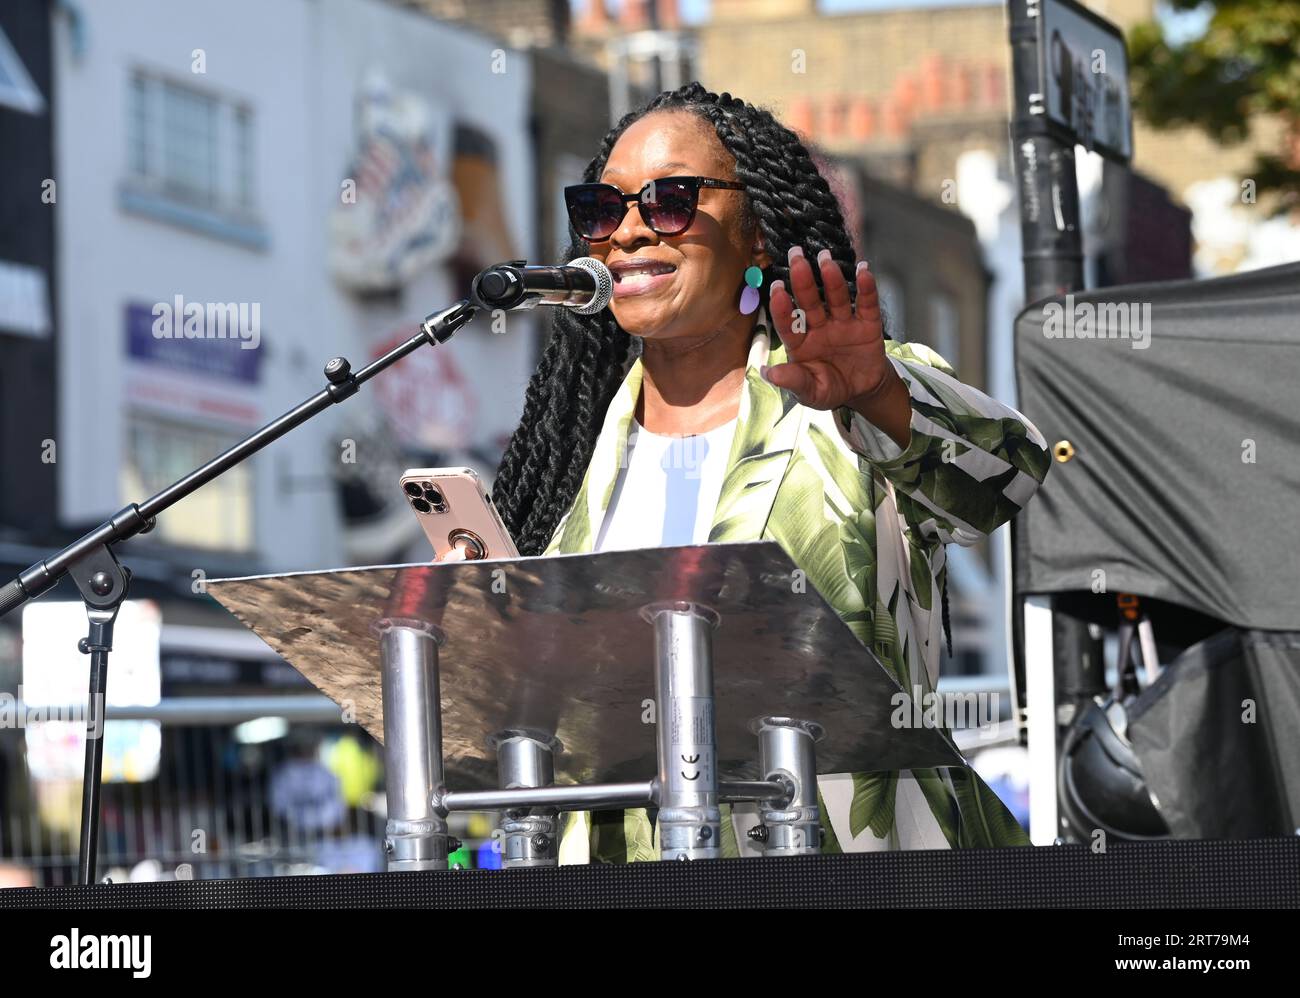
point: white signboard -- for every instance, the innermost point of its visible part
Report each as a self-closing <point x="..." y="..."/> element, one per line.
<point x="1083" y="75"/>
<point x="56" y="677"/>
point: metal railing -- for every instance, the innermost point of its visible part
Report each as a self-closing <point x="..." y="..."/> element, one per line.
<point x="211" y="810"/>
<point x="218" y="806"/>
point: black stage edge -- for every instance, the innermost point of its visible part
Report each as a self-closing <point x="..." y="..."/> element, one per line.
<point x="1255" y="873"/>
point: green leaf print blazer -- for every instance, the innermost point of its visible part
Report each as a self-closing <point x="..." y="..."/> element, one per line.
<point x="867" y="522"/>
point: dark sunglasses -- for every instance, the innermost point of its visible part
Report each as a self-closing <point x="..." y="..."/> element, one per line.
<point x="667" y="205"/>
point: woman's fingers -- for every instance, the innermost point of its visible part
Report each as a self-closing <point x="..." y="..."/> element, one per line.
<point x="781" y="306"/>
<point x="804" y="288"/>
<point x="837" y="289"/>
<point x="792" y="377"/>
<point x="867" y="305"/>
<point x="811" y="383"/>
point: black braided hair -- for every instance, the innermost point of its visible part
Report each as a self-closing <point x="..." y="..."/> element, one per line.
<point x="587" y="356"/>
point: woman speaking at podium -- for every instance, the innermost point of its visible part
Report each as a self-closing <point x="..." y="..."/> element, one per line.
<point x="676" y="417"/>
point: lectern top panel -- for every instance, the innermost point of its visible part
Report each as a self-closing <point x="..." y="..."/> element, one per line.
<point x="557" y="644"/>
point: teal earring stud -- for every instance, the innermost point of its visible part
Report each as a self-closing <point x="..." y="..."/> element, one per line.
<point x="749" y="297"/>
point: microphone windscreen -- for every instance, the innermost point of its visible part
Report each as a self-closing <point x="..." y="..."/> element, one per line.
<point x="604" y="284"/>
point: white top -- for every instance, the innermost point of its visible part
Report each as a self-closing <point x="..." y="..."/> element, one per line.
<point x="667" y="489"/>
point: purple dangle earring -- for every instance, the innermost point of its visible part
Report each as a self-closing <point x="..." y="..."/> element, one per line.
<point x="749" y="297"/>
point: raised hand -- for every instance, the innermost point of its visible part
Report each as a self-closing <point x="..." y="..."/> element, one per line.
<point x="840" y="355"/>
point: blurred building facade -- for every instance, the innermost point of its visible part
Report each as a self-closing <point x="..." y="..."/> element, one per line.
<point x="645" y="48"/>
<point x="928" y="82"/>
<point x="922" y="97"/>
<point x="570" y="98"/>
<point x="520" y="23"/>
<point x="191" y="159"/>
<point x="235" y="198"/>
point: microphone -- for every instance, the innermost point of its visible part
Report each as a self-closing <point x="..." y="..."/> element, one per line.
<point x="584" y="285"/>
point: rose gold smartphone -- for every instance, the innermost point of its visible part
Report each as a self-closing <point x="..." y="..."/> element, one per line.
<point x="457" y="514"/>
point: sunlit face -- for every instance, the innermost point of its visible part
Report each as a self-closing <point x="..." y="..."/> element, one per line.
<point x="702" y="293"/>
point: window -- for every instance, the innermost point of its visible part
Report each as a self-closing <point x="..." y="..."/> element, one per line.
<point x="138" y="128"/>
<point x="189" y="146"/>
<point x="945" y="328"/>
<point x="158" y="452"/>
<point x="244" y="156"/>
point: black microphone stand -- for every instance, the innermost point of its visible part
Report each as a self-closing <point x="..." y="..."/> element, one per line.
<point x="103" y="581"/>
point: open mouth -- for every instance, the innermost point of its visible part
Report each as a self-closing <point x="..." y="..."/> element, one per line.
<point x="633" y="275"/>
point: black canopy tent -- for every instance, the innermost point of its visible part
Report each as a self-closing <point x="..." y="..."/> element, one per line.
<point x="1174" y="409"/>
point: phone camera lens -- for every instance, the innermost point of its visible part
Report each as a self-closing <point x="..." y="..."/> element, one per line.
<point x="420" y="505"/>
<point x="435" y="498"/>
<point x="413" y="489"/>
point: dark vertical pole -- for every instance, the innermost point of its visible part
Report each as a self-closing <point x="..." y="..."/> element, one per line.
<point x="1052" y="251"/>
<point x="1051" y="242"/>
<point x="93" y="775"/>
